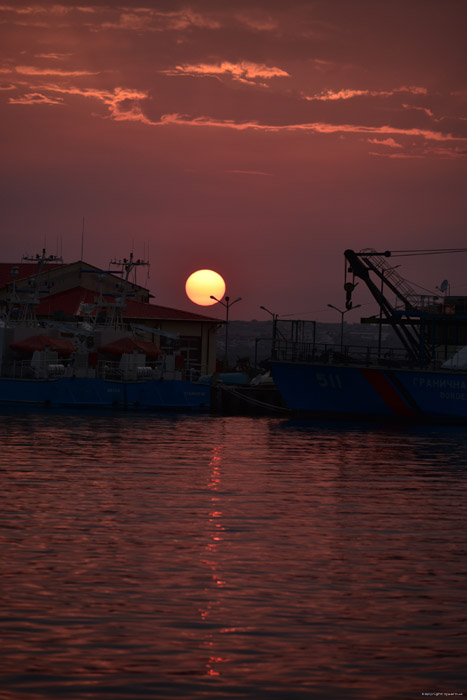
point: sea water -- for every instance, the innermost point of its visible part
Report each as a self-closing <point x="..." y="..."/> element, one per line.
<point x="157" y="556"/>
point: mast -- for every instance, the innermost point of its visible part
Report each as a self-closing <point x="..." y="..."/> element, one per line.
<point x="29" y="307"/>
<point x="128" y="266"/>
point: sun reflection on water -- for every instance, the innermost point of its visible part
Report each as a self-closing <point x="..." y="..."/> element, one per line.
<point x="181" y="556"/>
<point x="211" y="608"/>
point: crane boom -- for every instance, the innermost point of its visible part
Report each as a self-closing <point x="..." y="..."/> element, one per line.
<point x="405" y="320"/>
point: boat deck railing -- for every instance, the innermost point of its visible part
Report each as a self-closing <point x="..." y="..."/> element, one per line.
<point x="24" y="369"/>
<point x="155" y="369"/>
<point x="104" y="369"/>
<point x="329" y="353"/>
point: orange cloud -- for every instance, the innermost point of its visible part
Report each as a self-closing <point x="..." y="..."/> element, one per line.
<point x="31" y="70"/>
<point x="244" y="71"/>
<point x="126" y="104"/>
<point x="34" y="98"/>
<point x="123" y="103"/>
<point x="53" y="56"/>
<point x="427" y="111"/>
<point x="130" y="21"/>
<point x="360" y="129"/>
<point x="315" y="127"/>
<point x="257" y="21"/>
<point x="55" y="9"/>
<point x="188" y="18"/>
<point x="340" y="95"/>
<point x="146" y="19"/>
<point x="21" y="10"/>
<point x="386" y="142"/>
<point x="396" y="155"/>
<point x="349" y="94"/>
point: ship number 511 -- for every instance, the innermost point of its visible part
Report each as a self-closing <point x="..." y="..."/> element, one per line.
<point x="331" y="380"/>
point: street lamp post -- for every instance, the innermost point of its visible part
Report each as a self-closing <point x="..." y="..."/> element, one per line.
<point x="274" y="326"/>
<point x="257" y="340"/>
<point x="226" y="304"/>
<point x="342" y="313"/>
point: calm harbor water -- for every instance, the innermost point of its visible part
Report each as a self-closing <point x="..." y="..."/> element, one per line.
<point x="152" y="556"/>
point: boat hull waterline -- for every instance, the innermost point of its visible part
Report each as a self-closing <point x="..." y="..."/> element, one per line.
<point x="83" y="392"/>
<point x="372" y="392"/>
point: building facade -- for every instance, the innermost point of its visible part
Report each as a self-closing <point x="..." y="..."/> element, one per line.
<point x="83" y="295"/>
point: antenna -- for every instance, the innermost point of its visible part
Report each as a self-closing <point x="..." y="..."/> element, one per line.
<point x="127" y="266"/>
<point x="147" y="258"/>
<point x="41" y="260"/>
<point x="444" y="287"/>
<point x="82" y="241"/>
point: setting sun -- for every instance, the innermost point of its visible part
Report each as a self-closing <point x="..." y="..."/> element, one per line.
<point x="203" y="284"/>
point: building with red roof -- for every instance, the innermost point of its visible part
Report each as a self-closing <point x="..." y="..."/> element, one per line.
<point x="79" y="293"/>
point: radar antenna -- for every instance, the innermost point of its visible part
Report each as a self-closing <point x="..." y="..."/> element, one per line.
<point x="126" y="265"/>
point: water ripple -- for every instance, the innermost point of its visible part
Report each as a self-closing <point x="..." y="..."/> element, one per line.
<point x="154" y="556"/>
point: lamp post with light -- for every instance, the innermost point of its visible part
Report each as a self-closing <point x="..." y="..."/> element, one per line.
<point x="226" y="304"/>
<point x="342" y="313"/>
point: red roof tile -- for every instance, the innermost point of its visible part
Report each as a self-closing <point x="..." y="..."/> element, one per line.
<point x="70" y="302"/>
<point x="25" y="270"/>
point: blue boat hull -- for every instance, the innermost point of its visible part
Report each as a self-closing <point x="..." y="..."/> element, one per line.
<point x="376" y="392"/>
<point x="69" y="392"/>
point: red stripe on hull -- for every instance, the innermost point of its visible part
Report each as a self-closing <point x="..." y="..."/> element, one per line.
<point x="386" y="391"/>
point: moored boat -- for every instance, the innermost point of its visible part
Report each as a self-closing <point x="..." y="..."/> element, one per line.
<point x="97" y="361"/>
<point x="424" y="378"/>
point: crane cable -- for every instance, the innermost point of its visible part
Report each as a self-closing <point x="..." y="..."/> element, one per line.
<point x="432" y="251"/>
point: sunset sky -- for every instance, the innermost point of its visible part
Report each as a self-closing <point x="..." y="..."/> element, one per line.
<point x="257" y="138"/>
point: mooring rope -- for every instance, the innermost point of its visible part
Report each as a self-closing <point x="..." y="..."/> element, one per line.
<point x="249" y="399"/>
